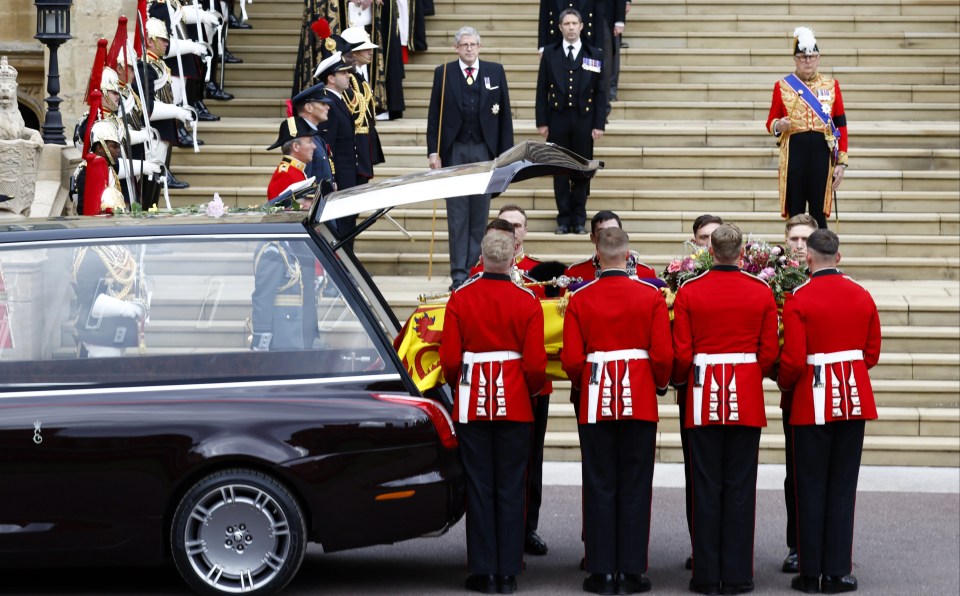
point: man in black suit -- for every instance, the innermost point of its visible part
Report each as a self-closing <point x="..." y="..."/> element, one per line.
<point x="338" y="130"/>
<point x="571" y="105"/>
<point x="548" y="31"/>
<point x="469" y="121"/>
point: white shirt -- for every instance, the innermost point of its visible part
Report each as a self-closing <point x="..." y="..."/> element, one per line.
<point x="463" y="69"/>
<point x="576" y="47"/>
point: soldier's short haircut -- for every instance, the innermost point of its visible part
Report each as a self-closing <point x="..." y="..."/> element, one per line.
<point x="497" y="249"/>
<point x="801" y="219"/>
<point x="726" y="242"/>
<point x="513" y="207"/>
<point x="499" y="224"/>
<point x="706" y="219"/>
<point x="569" y="11"/>
<point x="465" y="31"/>
<point x="603" y="216"/>
<point x="823" y="242"/>
<point x="612" y="243"/>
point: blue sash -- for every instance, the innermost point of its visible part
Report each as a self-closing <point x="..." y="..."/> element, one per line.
<point x="810" y="98"/>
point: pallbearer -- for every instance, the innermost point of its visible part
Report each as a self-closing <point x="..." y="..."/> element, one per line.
<point x="493" y="356"/>
<point x="725" y="342"/>
<point x="831" y="333"/>
<point x="617" y="369"/>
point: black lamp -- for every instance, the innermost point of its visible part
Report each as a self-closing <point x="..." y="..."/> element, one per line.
<point x="53" y="29"/>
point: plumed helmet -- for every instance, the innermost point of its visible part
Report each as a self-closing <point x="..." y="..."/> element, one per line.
<point x="109" y="81"/>
<point x="157" y="28"/>
<point x="104" y="130"/>
<point x="804" y="41"/>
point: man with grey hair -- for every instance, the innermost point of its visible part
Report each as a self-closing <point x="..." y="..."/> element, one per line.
<point x="469" y="120"/>
<point x="724" y="342"/>
<point x="492" y="355"/>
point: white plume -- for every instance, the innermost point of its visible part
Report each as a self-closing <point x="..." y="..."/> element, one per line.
<point x="806" y="42"/>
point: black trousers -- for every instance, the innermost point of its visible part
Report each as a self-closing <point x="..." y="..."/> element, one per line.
<point x="808" y="175"/>
<point x="687" y="476"/>
<point x="617" y="488"/>
<point x="790" y="484"/>
<point x="724" y="468"/>
<point x="466" y="216"/>
<point x="494" y="458"/>
<point x="569" y="129"/>
<point x="541" y="413"/>
<point x="827" y="466"/>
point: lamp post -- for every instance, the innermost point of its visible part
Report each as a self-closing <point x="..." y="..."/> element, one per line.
<point x="53" y="29"/>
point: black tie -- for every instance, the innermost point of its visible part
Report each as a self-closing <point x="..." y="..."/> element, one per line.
<point x="570" y="53"/>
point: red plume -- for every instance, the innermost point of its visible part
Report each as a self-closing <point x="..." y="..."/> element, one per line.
<point x="96" y="73"/>
<point x="118" y="45"/>
<point x="321" y="28"/>
<point x="289" y="108"/>
<point x="139" y="27"/>
<point x="95" y="98"/>
<point x="96" y="180"/>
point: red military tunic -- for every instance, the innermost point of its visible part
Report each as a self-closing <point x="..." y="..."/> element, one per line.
<point x="611" y="314"/>
<point x="830" y="314"/>
<point x="290" y="171"/>
<point x="720" y="315"/>
<point x="589" y="269"/>
<point x="491" y="314"/>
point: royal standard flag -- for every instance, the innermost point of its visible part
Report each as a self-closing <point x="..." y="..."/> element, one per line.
<point x="418" y="343"/>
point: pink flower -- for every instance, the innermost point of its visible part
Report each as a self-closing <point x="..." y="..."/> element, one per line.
<point x="793" y="263"/>
<point x="767" y="273"/>
<point x="674" y="266"/>
<point x="216" y="208"/>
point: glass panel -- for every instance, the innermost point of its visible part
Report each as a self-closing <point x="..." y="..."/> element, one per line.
<point x="228" y="309"/>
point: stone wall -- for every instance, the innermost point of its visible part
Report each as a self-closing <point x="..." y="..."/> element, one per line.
<point x="89" y="21"/>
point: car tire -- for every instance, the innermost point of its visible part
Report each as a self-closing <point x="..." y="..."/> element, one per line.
<point x="238" y="531"/>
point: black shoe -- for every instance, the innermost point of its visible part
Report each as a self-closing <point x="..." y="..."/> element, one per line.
<point x="792" y="563"/>
<point x="175" y="184"/>
<point x="580" y="230"/>
<point x="600" y="583"/>
<point x="506" y="584"/>
<point x="534" y="545"/>
<point x="700" y="588"/>
<point x="562" y="230"/>
<point x="807" y="585"/>
<point x="688" y="564"/>
<point x="215" y="92"/>
<point x="229" y="58"/>
<point x="456" y="284"/>
<point x="835" y="584"/>
<point x="633" y="583"/>
<point x="185" y="139"/>
<point x="203" y="112"/>
<point x="235" y="23"/>
<point x="583" y="563"/>
<point x="624" y="44"/>
<point x="737" y="587"/>
<point x="478" y="582"/>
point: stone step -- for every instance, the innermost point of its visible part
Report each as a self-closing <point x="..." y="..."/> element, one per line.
<point x="891" y="421"/>
<point x="877" y="450"/>
<point x="635" y="179"/>
<point x="869" y="158"/>
<point x="261" y="132"/>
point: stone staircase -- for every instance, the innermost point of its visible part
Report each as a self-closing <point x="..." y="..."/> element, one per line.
<point x="687" y="137"/>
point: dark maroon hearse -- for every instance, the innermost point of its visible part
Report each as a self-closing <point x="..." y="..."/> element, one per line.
<point x="161" y="398"/>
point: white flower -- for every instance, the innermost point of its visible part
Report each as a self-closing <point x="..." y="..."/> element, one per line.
<point x="216" y="208"/>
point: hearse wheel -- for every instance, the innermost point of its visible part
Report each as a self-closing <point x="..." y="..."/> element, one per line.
<point x="238" y="531"/>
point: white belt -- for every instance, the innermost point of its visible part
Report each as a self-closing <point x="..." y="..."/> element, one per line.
<point x="700" y="363"/>
<point x="600" y="359"/>
<point x="820" y="377"/>
<point x="466" y="377"/>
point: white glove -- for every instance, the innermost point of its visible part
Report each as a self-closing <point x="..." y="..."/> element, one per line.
<point x="182" y="47"/>
<point x="139" y="168"/>
<point x="108" y="306"/>
<point x="168" y="111"/>
<point x="138" y="137"/>
<point x="210" y="18"/>
<point x="189" y="12"/>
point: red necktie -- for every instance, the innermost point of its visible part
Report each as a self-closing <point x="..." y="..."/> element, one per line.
<point x="469" y="71"/>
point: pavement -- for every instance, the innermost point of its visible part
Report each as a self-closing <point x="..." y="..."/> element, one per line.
<point x="907" y="541"/>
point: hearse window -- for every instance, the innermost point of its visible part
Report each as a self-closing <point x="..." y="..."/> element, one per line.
<point x="176" y="311"/>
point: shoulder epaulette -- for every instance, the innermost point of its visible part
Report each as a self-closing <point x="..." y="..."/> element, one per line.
<point x="692" y="279"/>
<point x="283" y="167"/>
<point x="800" y="287"/>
